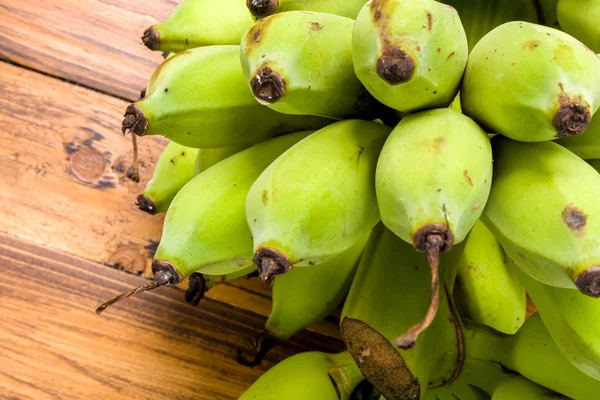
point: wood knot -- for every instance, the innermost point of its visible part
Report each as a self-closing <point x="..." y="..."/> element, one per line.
<point x="131" y="257"/>
<point x="88" y="164"/>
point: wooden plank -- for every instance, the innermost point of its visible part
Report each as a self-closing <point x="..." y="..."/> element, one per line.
<point x="53" y="345"/>
<point x="96" y="43"/>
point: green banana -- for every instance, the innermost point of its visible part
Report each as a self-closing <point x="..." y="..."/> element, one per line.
<point x="478" y="17"/>
<point x="196" y="23"/>
<point x="208" y="233"/>
<point x="306" y="69"/>
<point x="174" y="168"/>
<point x="345" y="8"/>
<point x="581" y="18"/>
<point x="311" y="375"/>
<point x="486" y="290"/>
<point x="556" y="244"/>
<point x="531" y="83"/>
<point x="410" y="55"/>
<point x="198" y="283"/>
<point x="317" y="199"/>
<point x="436" y="204"/>
<point x="587" y="145"/>
<point x="199" y="98"/>
<point x="389" y="293"/>
<point x="304" y="296"/>
<point x="572" y="320"/>
<point x="208" y="157"/>
<point x="523" y="389"/>
<point x="532" y="353"/>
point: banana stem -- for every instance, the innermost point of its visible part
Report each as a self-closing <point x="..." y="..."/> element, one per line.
<point x="196" y="288"/>
<point x="346" y="375"/>
<point x="133" y="172"/>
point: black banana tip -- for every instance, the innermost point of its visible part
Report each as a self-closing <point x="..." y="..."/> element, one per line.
<point x="134" y="121"/>
<point x="151" y="38"/>
<point x="262" y="8"/>
<point x="572" y="118"/>
<point x="268" y="85"/>
<point x="266" y="341"/>
<point x="588" y="282"/>
<point x="146" y="204"/>
<point x="271" y="262"/>
<point x="395" y="66"/>
<point x="196" y="288"/>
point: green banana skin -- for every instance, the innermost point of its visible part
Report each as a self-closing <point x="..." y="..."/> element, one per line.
<point x="580" y="19"/>
<point x="345" y="8"/>
<point x="317" y="199"/>
<point x="532" y="353"/>
<point x="478" y="17"/>
<point x="524" y="389"/>
<point x="288" y="70"/>
<point x="559" y="245"/>
<point x="311" y="375"/>
<point x="196" y="23"/>
<point x="199" y="284"/>
<point x="208" y="157"/>
<point x="199" y="98"/>
<point x="306" y="295"/>
<point x="586" y="145"/>
<point x="531" y="83"/>
<point x="572" y="320"/>
<point x="433" y="207"/>
<point x="174" y="168"/>
<point x="389" y="294"/>
<point x="410" y="55"/>
<point x="486" y="289"/>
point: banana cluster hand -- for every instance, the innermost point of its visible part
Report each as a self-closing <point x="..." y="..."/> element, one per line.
<point x="431" y="164"/>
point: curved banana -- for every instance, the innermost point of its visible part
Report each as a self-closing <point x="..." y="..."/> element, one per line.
<point x="300" y="62"/>
<point x="198" y="283"/>
<point x="317" y="199"/>
<point x="174" y="168"/>
<point x="580" y="18"/>
<point x="486" y="289"/>
<point x="311" y="375"/>
<point x="208" y="157"/>
<point x="345" y="8"/>
<point x="205" y="228"/>
<point x="389" y="294"/>
<point x="544" y="210"/>
<point x="433" y="180"/>
<point x="195" y="23"/>
<point x="531" y="83"/>
<point x="572" y="319"/>
<point x="410" y="55"/>
<point x="306" y="295"/>
<point x="199" y="98"/>
<point x="586" y="145"/>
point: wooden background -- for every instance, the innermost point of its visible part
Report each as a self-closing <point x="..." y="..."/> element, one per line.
<point x="72" y="237"/>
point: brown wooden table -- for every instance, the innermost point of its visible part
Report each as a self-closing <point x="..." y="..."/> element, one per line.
<point x="72" y="237"/>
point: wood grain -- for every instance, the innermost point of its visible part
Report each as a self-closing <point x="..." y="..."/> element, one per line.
<point x="154" y="346"/>
<point x="95" y="43"/>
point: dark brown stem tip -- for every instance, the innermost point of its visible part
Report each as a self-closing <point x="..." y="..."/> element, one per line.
<point x="151" y="38"/>
<point x="134" y="120"/>
<point x="271" y="262"/>
<point x="433" y="235"/>
<point x="133" y="173"/>
<point x="588" y="282"/>
<point x="262" y="8"/>
<point x="196" y="288"/>
<point x="267" y="85"/>
<point x="266" y="341"/>
<point x="395" y="66"/>
<point x="572" y="118"/>
<point x="146" y="204"/>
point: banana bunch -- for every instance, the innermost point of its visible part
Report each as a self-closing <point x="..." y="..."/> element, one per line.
<point x="426" y="166"/>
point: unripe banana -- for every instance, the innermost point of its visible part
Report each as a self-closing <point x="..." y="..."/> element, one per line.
<point x="205" y="228"/>
<point x="317" y="199"/>
<point x="433" y="180"/>
<point x="410" y="55"/>
<point x="486" y="290"/>
<point x="196" y="23"/>
<point x="174" y="168"/>
<point x="306" y="295"/>
<point x="521" y="388"/>
<point x="572" y="320"/>
<point x="478" y="17"/>
<point x="208" y="157"/>
<point x="198" y="283"/>
<point x="531" y="83"/>
<point x="345" y="8"/>
<point x="300" y="62"/>
<point x="581" y="18"/>
<point x="311" y="375"/>
<point x="199" y="98"/>
<point x="532" y="353"/>
<point x="544" y="210"/>
<point x="587" y="145"/>
<point x="389" y="294"/>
